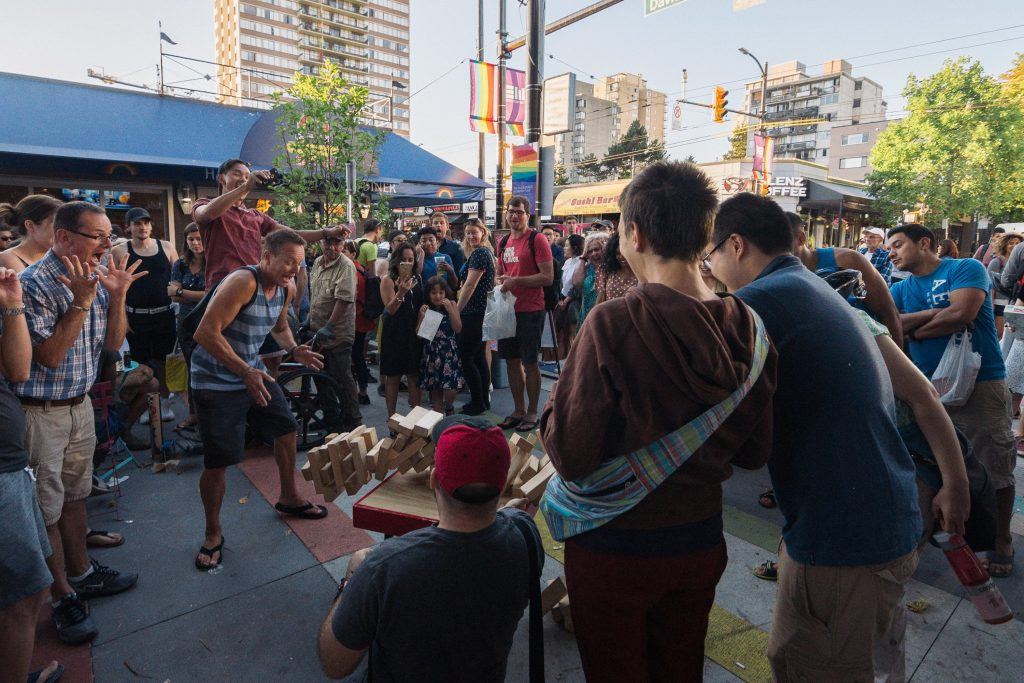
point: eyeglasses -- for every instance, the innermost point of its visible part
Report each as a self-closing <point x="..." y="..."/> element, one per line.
<point x="516" y="212"/>
<point x="5" y="238"/>
<point x="97" y="238"/>
<point x="705" y="259"/>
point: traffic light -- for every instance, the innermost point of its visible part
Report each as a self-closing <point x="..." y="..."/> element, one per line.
<point x="720" y="103"/>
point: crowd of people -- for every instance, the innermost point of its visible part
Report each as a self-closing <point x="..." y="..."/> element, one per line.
<point x="696" y="337"/>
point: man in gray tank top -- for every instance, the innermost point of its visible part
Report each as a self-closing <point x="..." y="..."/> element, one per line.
<point x="232" y="387"/>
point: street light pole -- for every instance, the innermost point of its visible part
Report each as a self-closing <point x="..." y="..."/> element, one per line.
<point x="764" y="85"/>
<point x="534" y="92"/>
<point x="499" y="192"/>
<point x="481" y="211"/>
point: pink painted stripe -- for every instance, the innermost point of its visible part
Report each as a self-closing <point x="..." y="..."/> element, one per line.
<point x="77" y="659"/>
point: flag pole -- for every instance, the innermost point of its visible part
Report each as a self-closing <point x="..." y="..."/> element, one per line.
<point x="160" y="39"/>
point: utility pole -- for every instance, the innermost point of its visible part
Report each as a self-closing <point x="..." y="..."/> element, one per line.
<point x="499" y="192"/>
<point x="481" y="210"/>
<point x="160" y="26"/>
<point x="534" y="92"/>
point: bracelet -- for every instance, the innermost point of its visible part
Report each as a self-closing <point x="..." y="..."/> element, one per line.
<point x="83" y="309"/>
<point x="12" y="312"/>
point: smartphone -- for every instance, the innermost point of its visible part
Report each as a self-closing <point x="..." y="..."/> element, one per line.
<point x="404" y="270"/>
<point x="439" y="260"/>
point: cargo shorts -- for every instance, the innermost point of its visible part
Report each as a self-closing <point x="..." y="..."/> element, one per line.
<point x="60" y="441"/>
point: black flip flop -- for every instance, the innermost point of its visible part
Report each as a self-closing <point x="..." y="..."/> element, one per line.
<point x="208" y="552"/>
<point x="307" y="511"/>
<point x="527" y="425"/>
<point x="52" y="678"/>
<point x="510" y="422"/>
<point x="89" y="539"/>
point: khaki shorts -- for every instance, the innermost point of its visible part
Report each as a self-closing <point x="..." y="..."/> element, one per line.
<point x="60" y="442"/>
<point x="828" y="619"/>
<point x="986" y="422"/>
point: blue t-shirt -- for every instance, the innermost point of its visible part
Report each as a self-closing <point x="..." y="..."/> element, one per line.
<point x="842" y="476"/>
<point x="430" y="265"/>
<point x="932" y="291"/>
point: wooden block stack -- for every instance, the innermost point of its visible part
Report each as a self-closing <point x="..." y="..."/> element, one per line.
<point x="550" y="596"/>
<point x="411" y="448"/>
<point x="345" y="462"/>
<point x="528" y="474"/>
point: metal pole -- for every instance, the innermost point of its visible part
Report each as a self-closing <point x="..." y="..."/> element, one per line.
<point x="161" y="41"/>
<point x="481" y="211"/>
<point x="499" y="192"/>
<point x="534" y="91"/>
<point x="568" y="20"/>
<point x="764" y="95"/>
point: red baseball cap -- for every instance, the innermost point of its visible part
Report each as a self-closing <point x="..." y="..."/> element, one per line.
<point x="469" y="450"/>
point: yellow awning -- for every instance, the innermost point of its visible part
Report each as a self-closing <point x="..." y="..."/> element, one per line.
<point x="589" y="199"/>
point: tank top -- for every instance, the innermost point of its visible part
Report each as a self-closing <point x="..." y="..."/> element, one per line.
<point x="150" y="291"/>
<point x="826" y="261"/>
<point x="244" y="335"/>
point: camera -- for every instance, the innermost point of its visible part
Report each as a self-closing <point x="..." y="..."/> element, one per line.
<point x="276" y="178"/>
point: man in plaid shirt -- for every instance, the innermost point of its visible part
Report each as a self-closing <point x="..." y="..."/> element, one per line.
<point x="879" y="257"/>
<point x="75" y="309"/>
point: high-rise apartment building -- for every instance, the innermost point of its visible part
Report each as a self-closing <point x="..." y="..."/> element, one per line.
<point x="795" y="99"/>
<point x="262" y="43"/>
<point x="636" y="102"/>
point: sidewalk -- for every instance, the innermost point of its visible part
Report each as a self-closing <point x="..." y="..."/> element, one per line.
<point x="257" y="617"/>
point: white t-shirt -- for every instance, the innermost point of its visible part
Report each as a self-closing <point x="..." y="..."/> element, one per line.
<point x="568" y="269"/>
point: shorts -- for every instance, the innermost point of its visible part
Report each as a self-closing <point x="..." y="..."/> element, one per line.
<point x="60" y="441"/>
<point x="986" y="422"/>
<point x="526" y="344"/>
<point x="151" y="336"/>
<point x="24" y="546"/>
<point x="270" y="348"/>
<point x="223" y="416"/>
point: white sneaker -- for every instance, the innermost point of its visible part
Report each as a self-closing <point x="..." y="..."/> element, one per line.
<point x="166" y="413"/>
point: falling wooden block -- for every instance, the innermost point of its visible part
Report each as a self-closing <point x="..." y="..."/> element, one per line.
<point x="429" y="449"/>
<point x="404" y="460"/>
<point x="562" y="615"/>
<point x="520" y="454"/>
<point x="330" y="437"/>
<point x="523" y="443"/>
<point x="371" y="464"/>
<point x="396" y="422"/>
<point x="307" y="472"/>
<point x="352" y="485"/>
<point x="534" y="488"/>
<point x="327" y="475"/>
<point x="426" y="423"/>
<point x="544" y="461"/>
<point x="530" y="470"/>
<point x="358" y="459"/>
<point x="550" y="596"/>
<point x="423" y="462"/>
<point x="369" y="437"/>
<point x="400" y="442"/>
<point x="381" y="453"/>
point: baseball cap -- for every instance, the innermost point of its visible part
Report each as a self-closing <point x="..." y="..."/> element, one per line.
<point x="875" y="231"/>
<point x="470" y="450"/>
<point x="136" y="214"/>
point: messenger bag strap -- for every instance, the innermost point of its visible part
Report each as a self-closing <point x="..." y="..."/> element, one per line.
<point x="536" y="625"/>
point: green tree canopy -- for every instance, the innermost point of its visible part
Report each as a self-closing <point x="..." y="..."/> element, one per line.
<point x="632" y="152"/>
<point x="319" y="127"/>
<point x="737" y="145"/>
<point x="959" y="152"/>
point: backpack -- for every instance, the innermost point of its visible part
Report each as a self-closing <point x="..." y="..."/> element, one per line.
<point x="190" y="323"/>
<point x="551" y="292"/>
<point x="373" y="302"/>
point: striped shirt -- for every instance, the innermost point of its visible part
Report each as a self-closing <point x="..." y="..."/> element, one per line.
<point x="46" y="301"/>
<point x="245" y="335"/>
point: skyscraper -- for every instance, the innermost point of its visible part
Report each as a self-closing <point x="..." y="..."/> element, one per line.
<point x="261" y="43"/>
<point x="636" y="102"/>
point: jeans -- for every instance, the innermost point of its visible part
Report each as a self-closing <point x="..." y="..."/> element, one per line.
<point x="338" y="364"/>
<point x="474" y="359"/>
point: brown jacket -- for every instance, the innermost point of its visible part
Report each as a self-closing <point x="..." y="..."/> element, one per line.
<point x="641" y="367"/>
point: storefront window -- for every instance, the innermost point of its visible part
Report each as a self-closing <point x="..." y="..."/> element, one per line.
<point x="117" y="203"/>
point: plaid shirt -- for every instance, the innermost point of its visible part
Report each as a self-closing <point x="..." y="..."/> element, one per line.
<point x="46" y="300"/>
<point x="880" y="260"/>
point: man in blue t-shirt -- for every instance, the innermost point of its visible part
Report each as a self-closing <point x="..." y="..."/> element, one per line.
<point x="842" y="476"/>
<point x="433" y="261"/>
<point x="944" y="297"/>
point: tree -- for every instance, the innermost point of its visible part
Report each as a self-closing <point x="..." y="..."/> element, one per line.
<point x="632" y="152"/>
<point x="959" y="153"/>
<point x="737" y="145"/>
<point x="591" y="168"/>
<point x="319" y="127"/>
<point x="690" y="159"/>
<point x="561" y="176"/>
<point x="1013" y="81"/>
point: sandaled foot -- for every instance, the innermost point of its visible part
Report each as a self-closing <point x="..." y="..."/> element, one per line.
<point x="510" y="422"/>
<point x="527" y="425"/>
<point x="205" y="559"/>
<point x="307" y="511"/>
<point x="1018" y="445"/>
<point x="999" y="566"/>
<point x="50" y="674"/>
<point x="769" y="571"/>
<point x="767" y="499"/>
<point x="103" y="539"/>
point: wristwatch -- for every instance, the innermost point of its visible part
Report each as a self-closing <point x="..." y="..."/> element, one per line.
<point x="178" y="291"/>
<point x="11" y="312"/>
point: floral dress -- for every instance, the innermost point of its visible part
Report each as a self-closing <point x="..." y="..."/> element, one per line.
<point x="440" y="365"/>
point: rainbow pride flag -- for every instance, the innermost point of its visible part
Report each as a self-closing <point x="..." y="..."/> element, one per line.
<point x="483" y="97"/>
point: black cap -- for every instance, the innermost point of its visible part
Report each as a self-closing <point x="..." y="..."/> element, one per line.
<point x="136" y="213"/>
<point x="459" y="419"/>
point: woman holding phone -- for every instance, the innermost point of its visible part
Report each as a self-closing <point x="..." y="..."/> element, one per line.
<point x="402" y="292"/>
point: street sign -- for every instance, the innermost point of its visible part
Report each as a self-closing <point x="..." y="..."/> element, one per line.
<point x="559" y="103"/>
<point x="652" y="6"/>
<point x="677" y="116"/>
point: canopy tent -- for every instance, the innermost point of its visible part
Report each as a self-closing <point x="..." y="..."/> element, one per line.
<point x="589" y="199"/>
<point x="824" y="194"/>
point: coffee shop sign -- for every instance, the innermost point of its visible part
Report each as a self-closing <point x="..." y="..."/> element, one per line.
<point x="788" y="186"/>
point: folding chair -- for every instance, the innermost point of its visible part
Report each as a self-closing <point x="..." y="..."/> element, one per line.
<point x="102" y="397"/>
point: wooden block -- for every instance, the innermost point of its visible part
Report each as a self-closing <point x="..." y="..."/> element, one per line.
<point x="523" y="443"/>
<point x="330" y="493"/>
<point x="358" y="431"/>
<point x="423" y="462"/>
<point x="519" y="458"/>
<point x="352" y="486"/>
<point x="530" y="470"/>
<point x="358" y="460"/>
<point x="428" y="450"/>
<point x="330" y="437"/>
<point x="562" y="615"/>
<point x="171" y="465"/>
<point x="369" y="437"/>
<point x="371" y="465"/>
<point x="400" y="442"/>
<point x="339" y="447"/>
<point x="426" y="423"/>
<point x="307" y="472"/>
<point x="382" y="454"/>
<point x="405" y="459"/>
<point x="327" y="475"/>
<point x="544" y="461"/>
<point x="550" y="596"/>
<point x="415" y="414"/>
<point x="534" y="488"/>
<point x="396" y="422"/>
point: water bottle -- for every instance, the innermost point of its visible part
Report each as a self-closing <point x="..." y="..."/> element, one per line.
<point x="985" y="595"/>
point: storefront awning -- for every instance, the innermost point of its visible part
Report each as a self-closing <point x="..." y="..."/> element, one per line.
<point x="822" y="194"/>
<point x="589" y="199"/>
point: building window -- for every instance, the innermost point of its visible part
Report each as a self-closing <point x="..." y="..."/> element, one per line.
<point x="855" y="139"/>
<point x="858" y="85"/>
<point x="824" y="153"/>
<point x="830" y="99"/>
<point x="856" y="103"/>
<point x="853" y="162"/>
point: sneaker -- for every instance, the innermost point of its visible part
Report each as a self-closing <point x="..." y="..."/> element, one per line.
<point x="364" y="399"/>
<point x="103" y="581"/>
<point x="72" y="621"/>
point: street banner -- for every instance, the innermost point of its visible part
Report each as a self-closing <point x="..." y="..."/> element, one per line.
<point x="483" y="99"/>
<point x="524" y="173"/>
<point x="764" y="158"/>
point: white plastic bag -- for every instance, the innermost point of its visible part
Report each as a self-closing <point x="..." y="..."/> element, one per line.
<point x="957" y="370"/>
<point x="500" y="316"/>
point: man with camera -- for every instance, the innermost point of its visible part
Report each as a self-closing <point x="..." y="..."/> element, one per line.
<point x="231" y="231"/>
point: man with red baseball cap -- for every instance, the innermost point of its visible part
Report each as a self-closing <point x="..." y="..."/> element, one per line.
<point x="441" y="603"/>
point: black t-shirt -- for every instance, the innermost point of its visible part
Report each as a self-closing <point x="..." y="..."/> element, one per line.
<point x="437" y="605"/>
<point x="481" y="259"/>
<point x="13" y="456"/>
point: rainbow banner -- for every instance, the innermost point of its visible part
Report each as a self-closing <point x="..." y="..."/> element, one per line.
<point x="483" y="99"/>
<point x="764" y="158"/>
<point x="524" y="173"/>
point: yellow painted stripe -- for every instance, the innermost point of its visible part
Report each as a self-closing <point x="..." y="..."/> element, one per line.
<point x="737" y="645"/>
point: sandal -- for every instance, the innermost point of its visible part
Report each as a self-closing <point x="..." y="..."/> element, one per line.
<point x="187" y="424"/>
<point x="98" y="538"/>
<point x="769" y="571"/>
<point x="510" y="422"/>
<point x="307" y="511"/>
<point x="995" y="558"/>
<point x="528" y="425"/>
<point x="1018" y="445"/>
<point x="54" y="676"/>
<point x="767" y="499"/>
<point x="208" y="552"/>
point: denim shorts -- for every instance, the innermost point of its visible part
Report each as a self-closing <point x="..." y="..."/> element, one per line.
<point x="223" y="416"/>
<point x="24" y="546"/>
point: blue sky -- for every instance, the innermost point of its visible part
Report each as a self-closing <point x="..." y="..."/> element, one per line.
<point x="61" y="39"/>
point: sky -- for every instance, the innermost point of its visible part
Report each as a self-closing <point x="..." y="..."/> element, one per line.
<point x="885" y="40"/>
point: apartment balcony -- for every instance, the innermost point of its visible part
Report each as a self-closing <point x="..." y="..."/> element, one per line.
<point x="786" y="148"/>
<point x="355" y="9"/>
<point x="314" y="29"/>
<point x="801" y="113"/>
<point x="338" y="50"/>
<point x="333" y="19"/>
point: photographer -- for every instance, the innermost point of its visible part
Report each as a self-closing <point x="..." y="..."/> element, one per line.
<point x="230" y="230"/>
